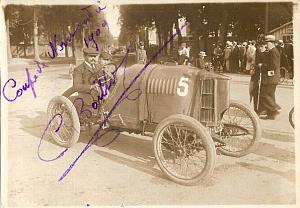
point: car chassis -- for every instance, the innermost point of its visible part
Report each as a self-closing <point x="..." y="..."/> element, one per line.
<point x="186" y="110"/>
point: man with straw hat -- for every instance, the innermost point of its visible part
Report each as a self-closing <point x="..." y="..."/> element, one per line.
<point x="270" y="76"/>
<point x="200" y="63"/>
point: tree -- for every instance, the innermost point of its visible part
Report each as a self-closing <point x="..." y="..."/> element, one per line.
<point x="15" y="19"/>
<point x="36" y="35"/>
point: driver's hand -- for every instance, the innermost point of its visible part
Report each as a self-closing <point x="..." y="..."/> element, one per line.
<point x="95" y="87"/>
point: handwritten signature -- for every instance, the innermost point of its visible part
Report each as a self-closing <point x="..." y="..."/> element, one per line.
<point x="79" y="26"/>
<point x="98" y="134"/>
<point x="91" y="36"/>
<point x="28" y="84"/>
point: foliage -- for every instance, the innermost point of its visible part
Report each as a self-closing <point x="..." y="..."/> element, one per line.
<point x="243" y="20"/>
<point x="53" y="20"/>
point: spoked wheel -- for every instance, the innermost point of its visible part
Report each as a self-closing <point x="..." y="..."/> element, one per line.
<point x="65" y="129"/>
<point x="241" y="130"/>
<point x="184" y="149"/>
<point x="291" y="117"/>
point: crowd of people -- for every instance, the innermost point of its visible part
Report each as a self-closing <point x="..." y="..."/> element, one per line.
<point x="262" y="59"/>
<point x="240" y="57"/>
<point x="235" y="57"/>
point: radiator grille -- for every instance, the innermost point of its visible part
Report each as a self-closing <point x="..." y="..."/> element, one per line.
<point x="207" y="111"/>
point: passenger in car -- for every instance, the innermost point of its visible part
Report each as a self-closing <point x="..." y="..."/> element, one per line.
<point x="199" y="61"/>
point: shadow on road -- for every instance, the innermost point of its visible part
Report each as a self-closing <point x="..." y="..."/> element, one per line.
<point x="271" y="151"/>
<point x="289" y="175"/>
<point x="133" y="152"/>
<point x="36" y="125"/>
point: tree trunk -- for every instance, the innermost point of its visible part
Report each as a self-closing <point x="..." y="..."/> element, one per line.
<point x="159" y="36"/>
<point x="266" y="26"/>
<point x="66" y="46"/>
<point x="196" y="36"/>
<point x="83" y="35"/>
<point x="171" y="43"/>
<point x="25" y="54"/>
<point x="35" y="36"/>
<point x="9" y="55"/>
<point x="72" y="44"/>
<point x="137" y="40"/>
<point x="147" y="38"/>
<point x="223" y="32"/>
<point x="165" y="39"/>
<point x="178" y="31"/>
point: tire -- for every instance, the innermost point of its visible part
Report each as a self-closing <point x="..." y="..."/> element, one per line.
<point x="200" y="140"/>
<point x="230" y="127"/>
<point x="69" y="131"/>
<point x="291" y="117"/>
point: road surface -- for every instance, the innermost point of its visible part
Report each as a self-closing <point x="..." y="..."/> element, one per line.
<point x="125" y="172"/>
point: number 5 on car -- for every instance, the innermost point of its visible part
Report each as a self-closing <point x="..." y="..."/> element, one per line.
<point x="183" y="86"/>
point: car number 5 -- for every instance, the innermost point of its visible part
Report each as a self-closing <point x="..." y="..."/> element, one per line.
<point x="183" y="86"/>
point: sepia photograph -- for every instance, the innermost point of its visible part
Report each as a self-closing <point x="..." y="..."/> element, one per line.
<point x="148" y="103"/>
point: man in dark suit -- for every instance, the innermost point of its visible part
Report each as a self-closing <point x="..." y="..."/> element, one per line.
<point x="270" y="76"/>
<point x="234" y="58"/>
<point x="84" y="75"/>
<point x="85" y="82"/>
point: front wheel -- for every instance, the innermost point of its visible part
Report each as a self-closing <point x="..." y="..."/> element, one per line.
<point x="184" y="149"/>
<point x="241" y="130"/>
<point x="69" y="126"/>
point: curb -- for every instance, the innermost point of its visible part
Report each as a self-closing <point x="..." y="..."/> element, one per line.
<point x="270" y="133"/>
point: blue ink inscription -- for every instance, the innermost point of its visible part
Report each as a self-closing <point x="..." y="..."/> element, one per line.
<point x="28" y="84"/>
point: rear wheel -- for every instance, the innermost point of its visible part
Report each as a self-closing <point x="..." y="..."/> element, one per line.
<point x="184" y="149"/>
<point x="68" y="133"/>
<point x="241" y="130"/>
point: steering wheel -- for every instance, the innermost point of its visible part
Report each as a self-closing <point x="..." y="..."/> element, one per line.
<point x="108" y="77"/>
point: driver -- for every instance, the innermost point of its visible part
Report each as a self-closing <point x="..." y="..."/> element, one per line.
<point x="85" y="77"/>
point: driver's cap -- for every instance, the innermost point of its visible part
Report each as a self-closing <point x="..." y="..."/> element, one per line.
<point x="90" y="51"/>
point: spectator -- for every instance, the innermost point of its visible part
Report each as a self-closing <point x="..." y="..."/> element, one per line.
<point x="234" y="58"/>
<point x="270" y="78"/>
<point x="212" y="54"/>
<point x="141" y="55"/>
<point x="200" y="62"/>
<point x="217" y="56"/>
<point x="290" y="57"/>
<point x="242" y="56"/>
<point x="227" y="52"/>
<point x="284" y="62"/>
<point x="250" y="56"/>
<point x="184" y="54"/>
<point x="255" y="74"/>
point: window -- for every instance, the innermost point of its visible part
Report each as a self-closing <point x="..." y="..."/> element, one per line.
<point x="287" y="38"/>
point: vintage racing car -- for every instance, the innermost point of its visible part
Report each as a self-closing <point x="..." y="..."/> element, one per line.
<point x="188" y="112"/>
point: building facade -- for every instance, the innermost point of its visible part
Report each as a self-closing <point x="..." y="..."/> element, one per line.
<point x="284" y="32"/>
